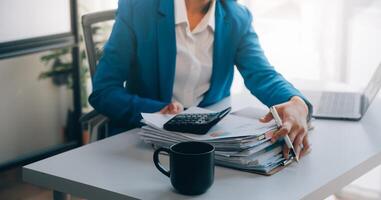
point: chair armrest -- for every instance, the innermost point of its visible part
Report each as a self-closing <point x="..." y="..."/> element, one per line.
<point x="88" y="116"/>
<point x="96" y="125"/>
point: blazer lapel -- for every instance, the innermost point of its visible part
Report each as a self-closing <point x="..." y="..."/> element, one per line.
<point x="166" y="48"/>
<point x="220" y="37"/>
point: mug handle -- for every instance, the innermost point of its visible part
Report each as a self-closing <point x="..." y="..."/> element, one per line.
<point x="157" y="162"/>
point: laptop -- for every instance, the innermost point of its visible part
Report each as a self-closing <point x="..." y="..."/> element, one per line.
<point x="345" y="105"/>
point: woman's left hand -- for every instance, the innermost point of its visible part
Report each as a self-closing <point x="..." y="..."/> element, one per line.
<point x="294" y="117"/>
<point x="172" y="108"/>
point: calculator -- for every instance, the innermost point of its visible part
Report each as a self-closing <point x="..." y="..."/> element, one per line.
<point x="196" y="123"/>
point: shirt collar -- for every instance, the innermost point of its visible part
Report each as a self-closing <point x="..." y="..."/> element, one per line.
<point x="181" y="14"/>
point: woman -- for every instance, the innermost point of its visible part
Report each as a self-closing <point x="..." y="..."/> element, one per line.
<point x="164" y="55"/>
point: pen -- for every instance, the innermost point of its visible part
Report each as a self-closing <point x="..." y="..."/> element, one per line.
<point x="286" y="139"/>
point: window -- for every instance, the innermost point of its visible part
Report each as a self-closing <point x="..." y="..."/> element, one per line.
<point x="330" y="40"/>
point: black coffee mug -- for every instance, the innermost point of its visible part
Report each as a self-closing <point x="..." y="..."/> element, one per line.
<point x="191" y="166"/>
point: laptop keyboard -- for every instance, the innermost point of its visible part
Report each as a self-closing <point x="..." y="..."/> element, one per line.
<point x="337" y="103"/>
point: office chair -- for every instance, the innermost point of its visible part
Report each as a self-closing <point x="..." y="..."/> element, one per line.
<point x="97" y="124"/>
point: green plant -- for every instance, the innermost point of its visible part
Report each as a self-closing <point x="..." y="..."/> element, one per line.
<point x="61" y="70"/>
<point x="61" y="66"/>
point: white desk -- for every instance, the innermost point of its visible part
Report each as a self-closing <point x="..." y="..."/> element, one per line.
<point x="121" y="167"/>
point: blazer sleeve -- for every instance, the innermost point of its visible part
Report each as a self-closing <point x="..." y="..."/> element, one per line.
<point x="109" y="95"/>
<point x="259" y="76"/>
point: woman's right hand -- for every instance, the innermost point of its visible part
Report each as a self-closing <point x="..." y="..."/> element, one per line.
<point x="172" y="108"/>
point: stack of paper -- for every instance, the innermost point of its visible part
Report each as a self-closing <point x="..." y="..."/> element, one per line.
<point x="240" y="142"/>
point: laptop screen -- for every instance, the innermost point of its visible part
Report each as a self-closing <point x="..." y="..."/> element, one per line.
<point x="371" y="90"/>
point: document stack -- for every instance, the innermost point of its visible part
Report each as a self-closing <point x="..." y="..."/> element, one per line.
<point x="242" y="143"/>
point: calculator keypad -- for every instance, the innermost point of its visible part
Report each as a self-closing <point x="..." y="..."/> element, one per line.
<point x="193" y="118"/>
<point x="198" y="123"/>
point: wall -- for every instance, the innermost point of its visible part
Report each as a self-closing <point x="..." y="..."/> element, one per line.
<point x="32" y="111"/>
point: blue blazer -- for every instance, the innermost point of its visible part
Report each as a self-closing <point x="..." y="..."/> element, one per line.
<point x="136" y="72"/>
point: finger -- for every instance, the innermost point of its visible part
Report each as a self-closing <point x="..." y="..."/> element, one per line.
<point x="306" y="147"/>
<point x="298" y="142"/>
<point x="175" y="109"/>
<point x="283" y="131"/>
<point x="293" y="134"/>
<point x="171" y="107"/>
<point x="279" y="134"/>
<point x="305" y="152"/>
<point x="179" y="107"/>
<point x="295" y="131"/>
<point x="300" y="136"/>
<point x="269" y="134"/>
<point x="164" y="110"/>
<point x="302" y="133"/>
<point x="267" y="118"/>
<point x="286" y="151"/>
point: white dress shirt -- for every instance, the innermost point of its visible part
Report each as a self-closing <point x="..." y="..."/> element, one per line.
<point x="194" y="59"/>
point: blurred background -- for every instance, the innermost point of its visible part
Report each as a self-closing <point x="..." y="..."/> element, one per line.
<point x="318" y="40"/>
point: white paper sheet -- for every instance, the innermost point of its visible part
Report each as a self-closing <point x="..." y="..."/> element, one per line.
<point x="229" y="127"/>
